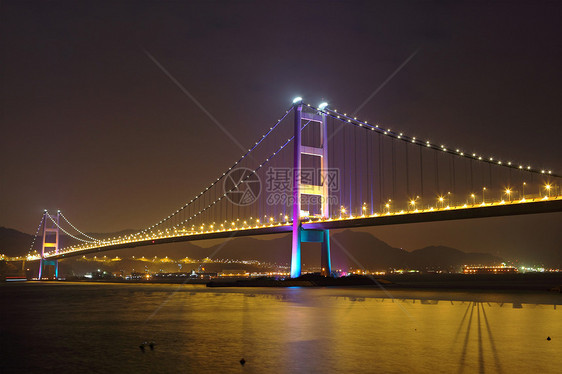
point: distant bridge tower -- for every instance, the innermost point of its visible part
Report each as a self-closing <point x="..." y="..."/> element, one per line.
<point x="50" y="233"/>
<point x="317" y="149"/>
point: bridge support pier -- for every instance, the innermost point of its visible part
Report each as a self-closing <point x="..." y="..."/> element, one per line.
<point x="312" y="236"/>
<point x="326" y="262"/>
<point x="43" y="263"/>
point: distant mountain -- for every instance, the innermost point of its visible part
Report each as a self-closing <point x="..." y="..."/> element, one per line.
<point x="440" y="256"/>
<point x="361" y="249"/>
<point x="349" y="248"/>
<point x="13" y="242"/>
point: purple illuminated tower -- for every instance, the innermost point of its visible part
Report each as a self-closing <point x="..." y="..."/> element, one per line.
<point x="50" y="233"/>
<point x="320" y="190"/>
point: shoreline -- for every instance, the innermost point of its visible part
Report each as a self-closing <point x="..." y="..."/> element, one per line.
<point x="535" y="282"/>
<point x="445" y="282"/>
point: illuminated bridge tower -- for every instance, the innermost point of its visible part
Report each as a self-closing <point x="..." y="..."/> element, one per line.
<point x="50" y="240"/>
<point x="316" y="149"/>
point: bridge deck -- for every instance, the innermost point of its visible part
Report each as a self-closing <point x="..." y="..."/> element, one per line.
<point x="457" y="213"/>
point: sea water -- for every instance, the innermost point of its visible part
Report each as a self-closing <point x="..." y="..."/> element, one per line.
<point x="99" y="327"/>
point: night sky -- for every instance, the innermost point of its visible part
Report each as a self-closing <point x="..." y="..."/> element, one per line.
<point x="91" y="125"/>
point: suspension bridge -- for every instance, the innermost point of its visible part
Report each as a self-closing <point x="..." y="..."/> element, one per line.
<point x="318" y="169"/>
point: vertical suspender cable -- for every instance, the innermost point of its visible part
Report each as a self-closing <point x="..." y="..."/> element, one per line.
<point x="407" y="170"/>
<point x="490" y="169"/>
<point x="454" y="175"/>
<point x="471" y="178"/>
<point x="421" y="171"/>
<point x="393" y="155"/>
<point x="368" y="148"/>
<point x="355" y="171"/>
<point x="437" y="173"/>
<point x="452" y="172"/>
<point x="350" y="185"/>
<point x="381" y="173"/>
<point x="344" y="163"/>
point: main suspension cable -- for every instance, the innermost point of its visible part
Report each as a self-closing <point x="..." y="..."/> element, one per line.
<point x="241" y="181"/>
<point x="457" y="152"/>
<point x="69" y="234"/>
<point x="74" y="227"/>
<point x="36" y="234"/>
<point x="219" y="178"/>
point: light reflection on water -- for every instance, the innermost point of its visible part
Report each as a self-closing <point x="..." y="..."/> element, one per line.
<point x="98" y="328"/>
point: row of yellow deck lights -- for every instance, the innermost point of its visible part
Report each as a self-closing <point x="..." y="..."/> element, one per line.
<point x="441" y="199"/>
<point x="329" y="219"/>
<point x="343" y="211"/>
<point x="412" y="202"/>
<point x="160" y="234"/>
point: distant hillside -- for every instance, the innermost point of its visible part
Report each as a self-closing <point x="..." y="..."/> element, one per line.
<point x="14" y="242"/>
<point x="439" y="256"/>
<point x="361" y="249"/>
<point x="348" y="248"/>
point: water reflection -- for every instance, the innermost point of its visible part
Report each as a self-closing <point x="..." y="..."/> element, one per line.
<point x="480" y="320"/>
<point x="492" y="343"/>
<point x="304" y="330"/>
